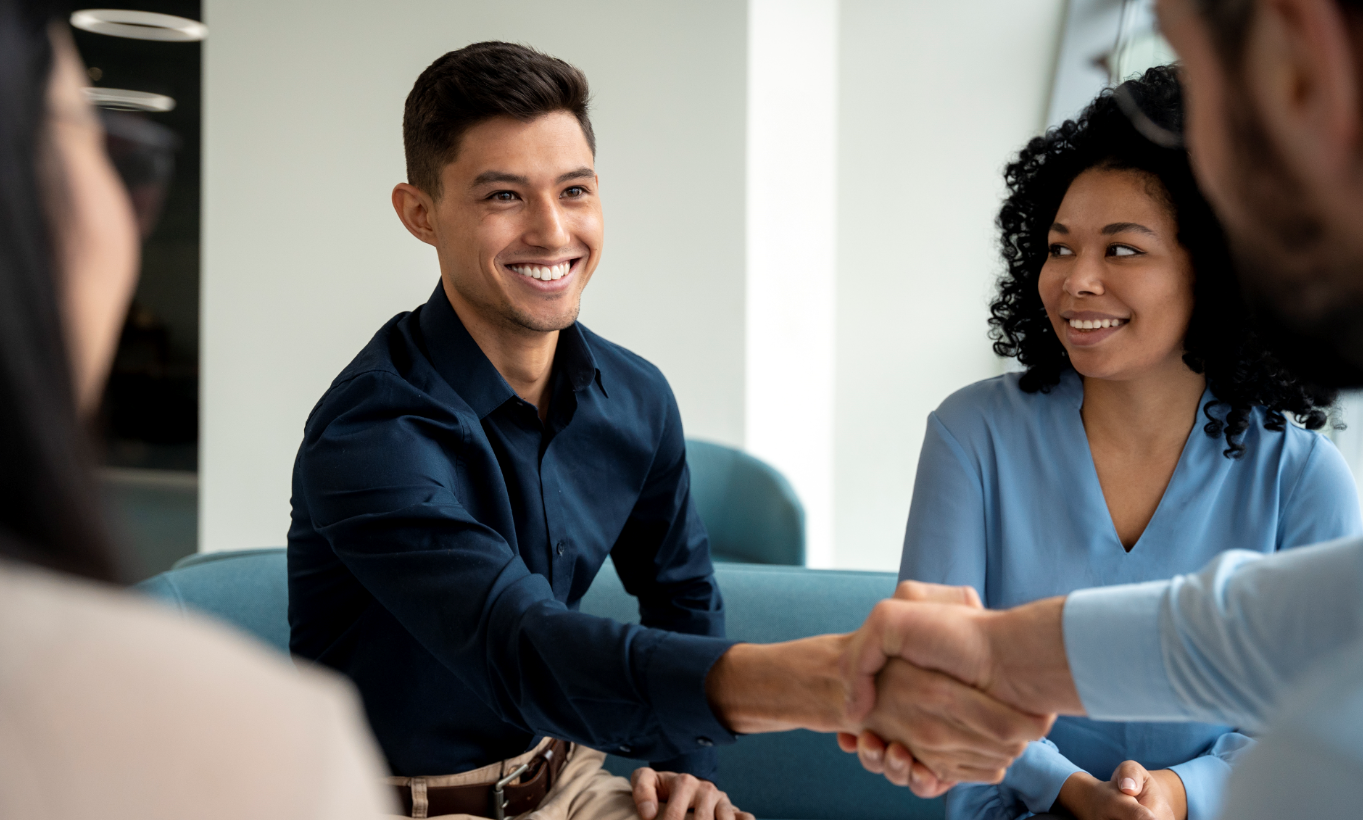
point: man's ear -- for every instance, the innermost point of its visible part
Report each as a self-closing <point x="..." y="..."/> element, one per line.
<point x="1301" y="75"/>
<point x="416" y="209"/>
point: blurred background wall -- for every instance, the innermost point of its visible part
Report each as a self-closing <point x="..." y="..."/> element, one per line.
<point x="921" y="102"/>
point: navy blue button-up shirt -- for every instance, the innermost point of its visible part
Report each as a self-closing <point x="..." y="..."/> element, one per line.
<point x="442" y="537"/>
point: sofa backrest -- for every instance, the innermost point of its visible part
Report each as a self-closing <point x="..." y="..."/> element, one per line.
<point x="749" y="508"/>
<point x="246" y="588"/>
<point x="793" y="775"/>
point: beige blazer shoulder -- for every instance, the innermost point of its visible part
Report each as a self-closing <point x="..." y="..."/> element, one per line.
<point x="111" y="707"/>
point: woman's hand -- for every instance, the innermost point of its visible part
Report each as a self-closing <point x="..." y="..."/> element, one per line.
<point x="680" y="793"/>
<point x="1133" y="793"/>
<point x="1160" y="791"/>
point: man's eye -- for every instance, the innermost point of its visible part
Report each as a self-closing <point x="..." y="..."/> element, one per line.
<point x="575" y="191"/>
<point x="1122" y="250"/>
<point x="503" y="196"/>
<point x="1061" y="250"/>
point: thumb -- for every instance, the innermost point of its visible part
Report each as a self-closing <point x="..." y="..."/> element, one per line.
<point x="645" y="783"/>
<point x="1130" y="778"/>
<point x="938" y="594"/>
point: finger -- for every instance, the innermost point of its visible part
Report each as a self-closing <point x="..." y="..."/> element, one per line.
<point x="706" y="800"/>
<point x="923" y="781"/>
<point x="645" y="784"/>
<point x="1129" y="809"/>
<point x="682" y="790"/>
<point x="847" y="742"/>
<point x="871" y="752"/>
<point x="725" y="810"/>
<point x="938" y="594"/>
<point x="897" y="765"/>
<point x="934" y="710"/>
<point x="1130" y="778"/>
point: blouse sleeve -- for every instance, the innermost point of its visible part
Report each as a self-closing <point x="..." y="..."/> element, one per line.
<point x="944" y="541"/>
<point x="1322" y="505"/>
<point x="1204" y="777"/>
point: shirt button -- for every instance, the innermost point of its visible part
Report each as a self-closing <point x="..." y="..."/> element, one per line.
<point x="560" y="548"/>
<point x="625" y="750"/>
<point x="704" y="741"/>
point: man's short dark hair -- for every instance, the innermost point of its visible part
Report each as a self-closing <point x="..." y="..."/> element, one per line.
<point x="474" y="84"/>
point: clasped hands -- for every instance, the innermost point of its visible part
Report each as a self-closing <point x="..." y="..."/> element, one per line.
<point x="920" y="673"/>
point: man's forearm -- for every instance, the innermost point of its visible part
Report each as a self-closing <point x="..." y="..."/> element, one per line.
<point x="1030" y="670"/>
<point x="756" y="688"/>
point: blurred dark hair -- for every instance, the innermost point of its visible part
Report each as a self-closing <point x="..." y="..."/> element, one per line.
<point x="1221" y="342"/>
<point x="48" y="504"/>
<point x="476" y="83"/>
<point x="1228" y="21"/>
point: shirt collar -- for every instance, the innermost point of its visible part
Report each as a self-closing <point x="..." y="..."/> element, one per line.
<point x="461" y="363"/>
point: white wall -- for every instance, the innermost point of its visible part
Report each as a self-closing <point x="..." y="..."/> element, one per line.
<point x="303" y="258"/>
<point x="934" y="97"/>
<point x="791" y="251"/>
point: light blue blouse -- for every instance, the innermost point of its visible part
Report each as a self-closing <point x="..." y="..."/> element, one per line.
<point x="1007" y="500"/>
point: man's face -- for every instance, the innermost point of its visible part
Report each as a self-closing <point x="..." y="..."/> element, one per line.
<point x="518" y="225"/>
<point x="1300" y="271"/>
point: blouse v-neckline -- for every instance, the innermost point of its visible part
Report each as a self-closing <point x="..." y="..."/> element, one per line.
<point x="1076" y="386"/>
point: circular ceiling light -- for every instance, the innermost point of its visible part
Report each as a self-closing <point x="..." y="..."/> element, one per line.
<point x="121" y="99"/>
<point x="139" y="25"/>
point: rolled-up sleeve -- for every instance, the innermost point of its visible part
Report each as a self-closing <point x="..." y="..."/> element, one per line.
<point x="1217" y="646"/>
<point x="380" y="491"/>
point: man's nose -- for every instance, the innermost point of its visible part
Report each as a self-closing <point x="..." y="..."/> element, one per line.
<point x="547" y="228"/>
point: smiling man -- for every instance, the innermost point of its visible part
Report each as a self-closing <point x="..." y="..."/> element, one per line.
<point x="463" y="480"/>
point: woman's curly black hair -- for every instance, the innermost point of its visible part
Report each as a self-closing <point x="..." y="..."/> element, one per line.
<point x="1221" y="340"/>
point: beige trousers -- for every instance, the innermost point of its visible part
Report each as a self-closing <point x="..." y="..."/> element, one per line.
<point x="584" y="790"/>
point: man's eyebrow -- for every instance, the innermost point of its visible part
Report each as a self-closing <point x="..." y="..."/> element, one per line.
<point x="499" y="176"/>
<point x="488" y="177"/>
<point x="1119" y="227"/>
<point x="578" y="173"/>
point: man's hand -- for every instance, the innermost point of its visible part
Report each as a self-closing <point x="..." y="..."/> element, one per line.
<point x="959" y="734"/>
<point x="946" y="732"/>
<point x="1017" y="656"/>
<point x="681" y="793"/>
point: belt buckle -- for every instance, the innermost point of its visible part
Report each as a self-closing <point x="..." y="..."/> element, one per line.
<point x="499" y="801"/>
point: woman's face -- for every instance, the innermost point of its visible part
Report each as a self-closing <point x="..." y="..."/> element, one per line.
<point x="96" y="252"/>
<point x="1117" y="286"/>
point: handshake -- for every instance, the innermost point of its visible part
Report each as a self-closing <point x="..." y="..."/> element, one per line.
<point x="928" y="672"/>
<point x="931" y="691"/>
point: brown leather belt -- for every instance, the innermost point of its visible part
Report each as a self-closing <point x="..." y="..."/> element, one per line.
<point x="496" y="800"/>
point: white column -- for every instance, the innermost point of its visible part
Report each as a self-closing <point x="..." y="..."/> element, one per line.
<point x="791" y="226"/>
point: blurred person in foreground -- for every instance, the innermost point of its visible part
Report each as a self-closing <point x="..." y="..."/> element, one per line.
<point x="1273" y="644"/>
<point x="462" y="482"/>
<point x="110" y="706"/>
<point x="1147" y="434"/>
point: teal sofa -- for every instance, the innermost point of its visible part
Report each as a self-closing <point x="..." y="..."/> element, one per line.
<point x="792" y="775"/>
<point x="750" y="510"/>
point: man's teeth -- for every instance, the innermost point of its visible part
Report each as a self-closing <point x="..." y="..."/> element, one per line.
<point x="544" y="272"/>
<point x="1095" y="324"/>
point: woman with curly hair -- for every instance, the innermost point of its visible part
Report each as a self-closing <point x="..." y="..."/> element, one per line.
<point x="1147" y="432"/>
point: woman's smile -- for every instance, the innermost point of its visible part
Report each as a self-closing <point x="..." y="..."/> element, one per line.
<point x="1086" y="328"/>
